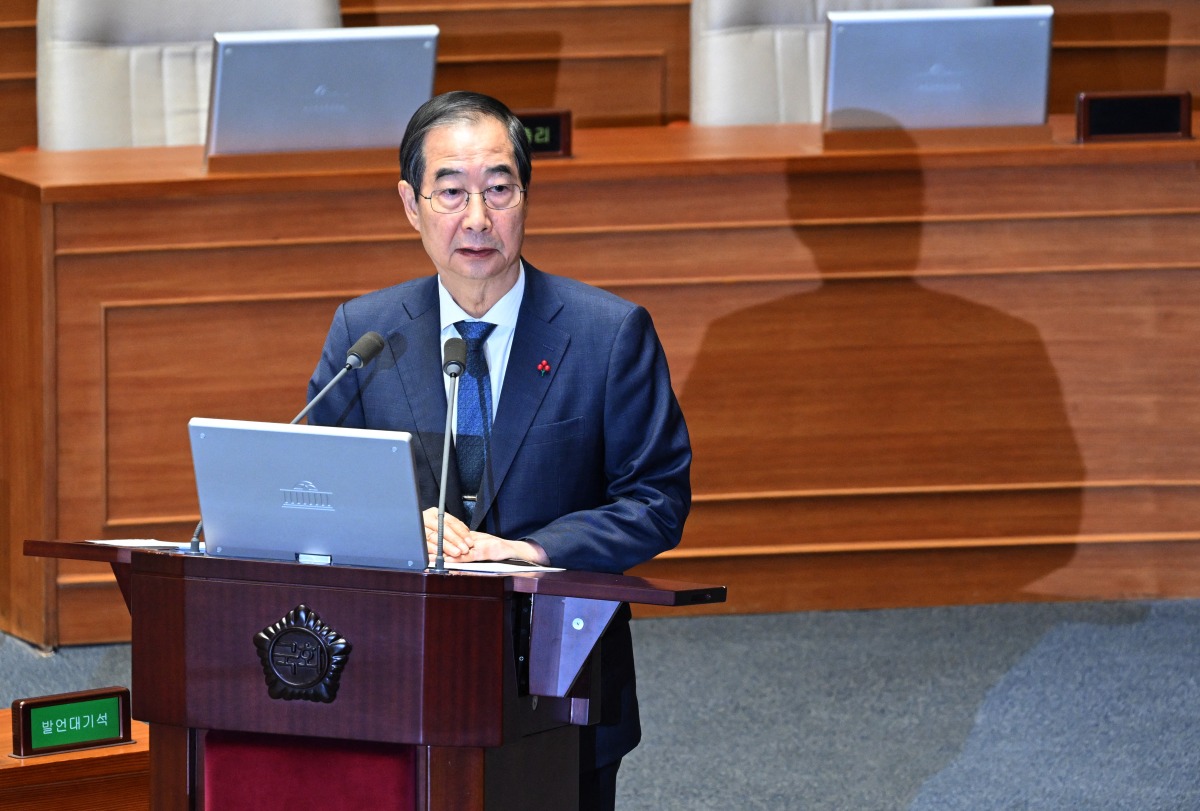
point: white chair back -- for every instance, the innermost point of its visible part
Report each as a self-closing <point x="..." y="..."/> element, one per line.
<point x="117" y="73"/>
<point x="763" y="61"/>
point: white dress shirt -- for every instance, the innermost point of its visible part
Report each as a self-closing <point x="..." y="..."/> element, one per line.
<point x="499" y="344"/>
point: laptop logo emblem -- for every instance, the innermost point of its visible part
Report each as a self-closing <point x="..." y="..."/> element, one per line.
<point x="306" y="496"/>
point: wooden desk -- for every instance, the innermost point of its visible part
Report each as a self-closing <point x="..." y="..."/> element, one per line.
<point x="916" y="375"/>
<point x="112" y="778"/>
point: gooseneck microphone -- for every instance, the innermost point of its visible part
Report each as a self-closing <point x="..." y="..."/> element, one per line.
<point x="454" y="362"/>
<point x="454" y="357"/>
<point x="364" y="350"/>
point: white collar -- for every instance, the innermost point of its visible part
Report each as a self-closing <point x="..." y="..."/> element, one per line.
<point x="503" y="313"/>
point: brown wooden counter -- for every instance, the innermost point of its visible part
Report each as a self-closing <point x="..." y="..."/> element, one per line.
<point x="922" y="374"/>
<point x="110" y="778"/>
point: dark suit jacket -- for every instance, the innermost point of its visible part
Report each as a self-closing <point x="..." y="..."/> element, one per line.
<point x="591" y="460"/>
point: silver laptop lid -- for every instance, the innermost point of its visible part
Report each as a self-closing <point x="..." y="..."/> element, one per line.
<point x="938" y="68"/>
<point x="324" y="88"/>
<point x="279" y="492"/>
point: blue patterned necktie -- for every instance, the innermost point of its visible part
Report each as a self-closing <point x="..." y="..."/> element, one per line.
<point x="474" y="407"/>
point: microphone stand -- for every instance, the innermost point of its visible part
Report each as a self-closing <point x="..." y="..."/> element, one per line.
<point x="439" y="563"/>
<point x="363" y="352"/>
<point x="194" y="547"/>
<point x="454" y="363"/>
<point x="349" y="365"/>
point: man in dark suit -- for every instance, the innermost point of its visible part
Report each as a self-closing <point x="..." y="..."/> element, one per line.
<point x="585" y="463"/>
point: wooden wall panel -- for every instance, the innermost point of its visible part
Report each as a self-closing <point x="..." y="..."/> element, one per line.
<point x="1127" y="45"/>
<point x="18" y="67"/>
<point x="930" y="358"/>
<point x="18" y="49"/>
<point x="625" y="90"/>
<point x="626" y="62"/>
<point x="934" y="196"/>
<point x="18" y="11"/>
<point x="27" y="477"/>
<point x="829" y="581"/>
<point x="1058" y="382"/>
<point x="1130" y="20"/>
<point x="881" y="425"/>
<point x="947" y="249"/>
<point x="894" y="518"/>
<point x="18" y="113"/>
<point x="610" y="63"/>
<point x="236" y="221"/>
<point x="192" y="343"/>
<point x="155" y="380"/>
<point x="1129" y="68"/>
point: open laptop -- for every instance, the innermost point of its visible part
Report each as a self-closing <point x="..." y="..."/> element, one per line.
<point x="938" y="68"/>
<point x="325" y="88"/>
<point x="305" y="493"/>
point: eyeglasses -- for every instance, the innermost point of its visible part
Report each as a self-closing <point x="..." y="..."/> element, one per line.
<point x="452" y="201"/>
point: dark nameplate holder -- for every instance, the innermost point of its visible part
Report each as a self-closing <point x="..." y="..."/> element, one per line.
<point x="1133" y="116"/>
<point x="549" y="132"/>
<point x="70" y="721"/>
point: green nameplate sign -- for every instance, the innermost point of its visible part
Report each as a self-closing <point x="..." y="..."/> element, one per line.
<point x="69" y="721"/>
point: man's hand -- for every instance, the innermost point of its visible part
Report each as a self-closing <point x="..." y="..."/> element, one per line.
<point x="461" y="545"/>
<point x="456" y="541"/>
<point x="489" y="547"/>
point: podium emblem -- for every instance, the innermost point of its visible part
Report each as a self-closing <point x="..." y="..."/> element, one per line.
<point x="302" y="657"/>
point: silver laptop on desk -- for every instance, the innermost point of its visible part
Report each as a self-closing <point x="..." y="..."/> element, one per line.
<point x="308" y="493"/>
<point x="325" y="88"/>
<point x="938" y="68"/>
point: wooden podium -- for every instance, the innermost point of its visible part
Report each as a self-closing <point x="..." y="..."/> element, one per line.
<point x="447" y="692"/>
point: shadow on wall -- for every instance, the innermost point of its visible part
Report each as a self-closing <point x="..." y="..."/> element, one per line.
<point x="892" y="411"/>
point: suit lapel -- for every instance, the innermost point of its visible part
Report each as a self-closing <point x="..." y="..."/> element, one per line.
<point x="416" y="346"/>
<point x="534" y="341"/>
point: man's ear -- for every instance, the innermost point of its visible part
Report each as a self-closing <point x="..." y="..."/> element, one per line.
<point x="409" y="198"/>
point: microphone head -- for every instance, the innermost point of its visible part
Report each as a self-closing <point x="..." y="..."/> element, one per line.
<point x="454" y="357"/>
<point x="365" y="350"/>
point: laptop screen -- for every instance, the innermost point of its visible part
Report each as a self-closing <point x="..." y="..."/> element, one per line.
<point x="938" y="68"/>
<point x="326" y="88"/>
<point x="308" y="493"/>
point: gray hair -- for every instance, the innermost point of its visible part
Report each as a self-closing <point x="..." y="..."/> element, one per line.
<point x="456" y="107"/>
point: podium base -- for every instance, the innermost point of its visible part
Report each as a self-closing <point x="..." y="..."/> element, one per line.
<point x="266" y="772"/>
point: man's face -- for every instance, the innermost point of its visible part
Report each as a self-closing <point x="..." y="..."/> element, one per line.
<point x="476" y="243"/>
